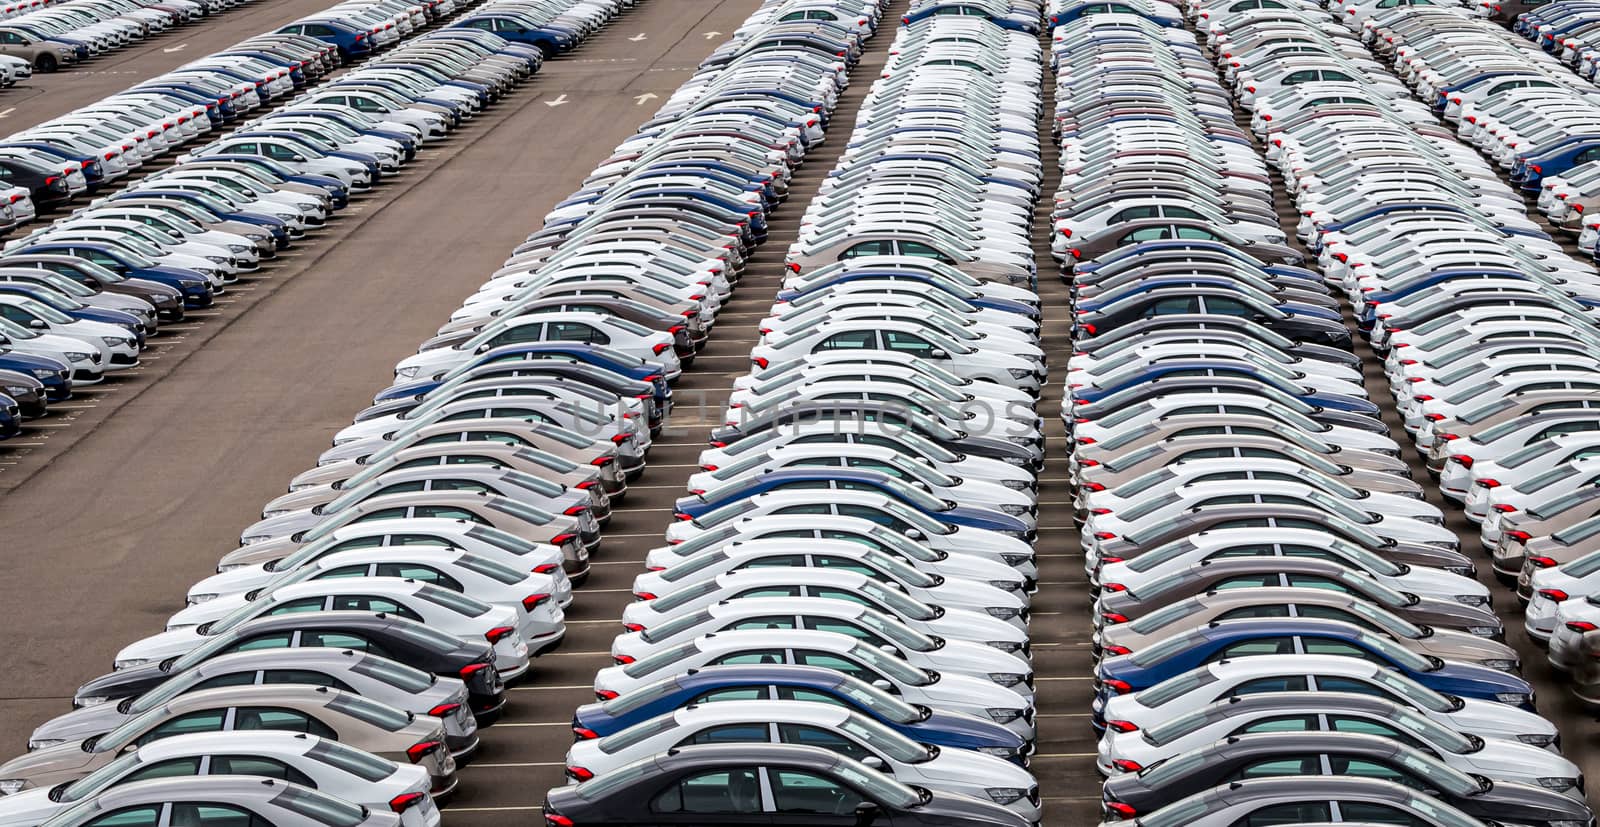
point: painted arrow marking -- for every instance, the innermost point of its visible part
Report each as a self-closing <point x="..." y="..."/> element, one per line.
<point x="178" y="48"/>
<point x="640" y="99"/>
<point x="557" y="101"/>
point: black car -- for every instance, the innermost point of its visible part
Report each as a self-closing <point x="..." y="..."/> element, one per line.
<point x="47" y="186"/>
<point x="27" y="391"/>
<point x="1221" y="326"/>
<point x="390" y="636"/>
<point x="1274" y="754"/>
<point x="888" y="417"/>
<point x="1214" y="301"/>
<point x="712" y="784"/>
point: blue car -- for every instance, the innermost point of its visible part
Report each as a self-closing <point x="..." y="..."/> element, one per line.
<point x="74" y="308"/>
<point x="518" y="29"/>
<point x="196" y="290"/>
<point x="625" y="375"/>
<point x="1229" y="282"/>
<point x="1219" y="367"/>
<point x="10" y="417"/>
<point x="351" y="41"/>
<point x="1376" y="213"/>
<point x="800" y="683"/>
<point x="276" y="226"/>
<point x="1152" y="12"/>
<point x="1021" y="23"/>
<point x="695" y="505"/>
<point x="1185" y="651"/>
<point x="53" y="373"/>
<point x="1420" y="282"/>
<point x="1553" y="159"/>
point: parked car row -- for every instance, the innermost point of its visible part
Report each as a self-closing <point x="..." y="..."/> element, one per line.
<point x="352" y="647"/>
<point x="1251" y="535"/>
<point x="82" y="296"/>
<point x="836" y="629"/>
<point x="38" y="35"/>
<point x="1517" y="458"/>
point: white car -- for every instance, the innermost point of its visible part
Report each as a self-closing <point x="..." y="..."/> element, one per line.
<point x="842" y="653"/>
<point x="1197" y="689"/>
<point x="1438" y="731"/>
<point x="445" y="610"/>
<point x="87" y="360"/>
<point x="340" y="771"/>
<point x="596" y="328"/>
<point x="429" y="531"/>
<point x="829" y="726"/>
<point x="1157" y="564"/>
<point x="919" y="595"/>
<point x="275" y="802"/>
<point x="1490" y="503"/>
<point x="120" y="345"/>
<point x="530" y="594"/>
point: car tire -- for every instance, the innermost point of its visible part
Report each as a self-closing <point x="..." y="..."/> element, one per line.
<point x="46" y="63"/>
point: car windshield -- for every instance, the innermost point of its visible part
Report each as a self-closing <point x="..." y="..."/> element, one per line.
<point x="1176" y="687"/>
<point x="878" y="786"/>
<point x="394" y="673"/>
<point x="359" y="763"/>
<point x="1163" y="732"/>
<point x="320" y="807"/>
<point x="366" y="709"/>
<point x="896" y="746"/>
<point x="897" y="669"/>
<point x="897" y="601"/>
<point x="676" y="626"/>
<point x="501" y="539"/>
<point x="1167" y="648"/>
<point x="638" y="733"/>
<point x="1564" y="503"/>
<point x="661" y="660"/>
<point x="1166" y="772"/>
<point x="488" y="568"/>
<point x="1166" y="615"/>
<point x="896" y="632"/>
<point x="92" y="784"/>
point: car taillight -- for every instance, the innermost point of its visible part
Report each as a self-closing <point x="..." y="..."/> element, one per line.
<point x="1114" y="587"/>
<point x="1581" y="626"/>
<point x="574" y="510"/>
<point x="563" y="538"/>
<point x="532" y="601"/>
<point x="604" y="694"/>
<point x="584" y="733"/>
<point x="622" y="660"/>
<point x="1104" y="535"/>
<point x="586" y="485"/>
<point x="1118" y="649"/>
<point x="403" y="801"/>
<point x="418" y="751"/>
<point x="1488" y="482"/>
<point x="645" y="595"/>
<point x="1554" y="594"/>
<point x="1504" y="508"/>
<point x="682" y="517"/>
<point x="761" y="362"/>
<point x="443" y="709"/>
<point x="660" y="347"/>
<point x="1542" y="562"/>
<point x="499" y="633"/>
<point x="546" y="568"/>
<point x="557" y="820"/>
<point x="633" y="627"/>
<point x="602" y="461"/>
<point x="472" y="669"/>
<point x="1519" y="535"/>
<point x="1093" y="486"/>
<point x="1466" y="461"/>
<point x="1118" y="686"/>
<point x="1122" y="726"/>
<point x="1119" y="809"/>
<point x="1113" y="618"/>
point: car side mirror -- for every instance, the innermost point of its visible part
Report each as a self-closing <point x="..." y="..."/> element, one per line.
<point x="1259" y="317"/>
<point x="938" y="353"/>
<point x="883" y="684"/>
<point x="866" y="813"/>
<point x="914" y="534"/>
<point x="872" y="761"/>
<point x="37" y="324"/>
<point x="299" y="158"/>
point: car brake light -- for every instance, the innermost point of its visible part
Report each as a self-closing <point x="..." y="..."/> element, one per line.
<point x="605" y="694"/>
<point x="1114" y="587"/>
<point x="1542" y="562"/>
<point x="1488" y="482"/>
<point x="761" y="362"/>
<point x="546" y="568"/>
<point x="1581" y="626"/>
<point x="472" y="669"/>
<point x="579" y="773"/>
<point x="532" y="601"/>
<point x="1519" y="535"/>
<point x="499" y="633"/>
<point x="1117" y="808"/>
<point x="563" y="538"/>
<point x="1123" y="726"/>
<point x="633" y="627"/>
<point x="1503" y="508"/>
<point x="1554" y="594"/>
<point x="645" y="595"/>
<point x="403" y="802"/>
<point x="622" y="660"/>
<point x="443" y="709"/>
<point x="584" y="733"/>
<point x="1113" y="618"/>
<point x="557" y="820"/>
<point x="661" y="346"/>
<point x="416" y="752"/>
<point x="1117" y="649"/>
<point x="1104" y="535"/>
<point x="1466" y="461"/>
<point x="1118" y="686"/>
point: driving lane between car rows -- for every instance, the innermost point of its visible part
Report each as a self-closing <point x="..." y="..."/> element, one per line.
<point x="511" y="773"/>
<point x="1580" y="732"/>
<point x="103" y="539"/>
<point x="46" y="96"/>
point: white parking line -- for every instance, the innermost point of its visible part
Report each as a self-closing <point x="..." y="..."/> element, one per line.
<point x="450" y="809"/>
<point x="547" y="688"/>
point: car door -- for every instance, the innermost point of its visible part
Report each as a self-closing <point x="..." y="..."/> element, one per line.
<point x="719" y="796"/>
<point x="799" y="798"/>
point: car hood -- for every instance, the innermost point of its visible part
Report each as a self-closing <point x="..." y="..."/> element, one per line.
<point x="161" y="646"/>
<point x="966" y="767"/>
<point x="28" y="808"/>
<point x="45" y="767"/>
<point x="80" y="724"/>
<point x="120" y="684"/>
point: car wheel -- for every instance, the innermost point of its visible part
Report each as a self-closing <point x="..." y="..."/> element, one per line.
<point x="45" y="63"/>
